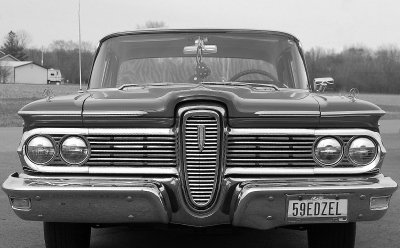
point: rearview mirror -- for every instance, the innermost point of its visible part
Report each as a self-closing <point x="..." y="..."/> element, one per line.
<point x="200" y="43"/>
<point x="207" y="49"/>
<point x="320" y="84"/>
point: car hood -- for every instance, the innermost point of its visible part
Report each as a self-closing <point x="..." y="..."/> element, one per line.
<point x="240" y="101"/>
<point x="156" y="106"/>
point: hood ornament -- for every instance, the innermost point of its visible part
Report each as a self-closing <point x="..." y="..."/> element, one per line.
<point x="353" y="93"/>
<point x="48" y="94"/>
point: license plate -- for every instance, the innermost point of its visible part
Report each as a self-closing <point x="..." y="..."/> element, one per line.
<point x="316" y="207"/>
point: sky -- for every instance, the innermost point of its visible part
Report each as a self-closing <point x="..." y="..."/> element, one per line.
<point x="331" y="24"/>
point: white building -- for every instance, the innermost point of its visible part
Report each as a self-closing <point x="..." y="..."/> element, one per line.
<point x="24" y="72"/>
<point x="7" y="57"/>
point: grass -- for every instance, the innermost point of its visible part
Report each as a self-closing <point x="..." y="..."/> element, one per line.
<point x="30" y="91"/>
<point x="14" y="96"/>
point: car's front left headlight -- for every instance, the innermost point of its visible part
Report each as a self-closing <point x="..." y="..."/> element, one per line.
<point x="74" y="150"/>
<point x="362" y="151"/>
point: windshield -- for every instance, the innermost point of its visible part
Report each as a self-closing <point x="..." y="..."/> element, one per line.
<point x="144" y="59"/>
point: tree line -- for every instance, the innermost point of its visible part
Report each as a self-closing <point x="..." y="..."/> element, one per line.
<point x="64" y="55"/>
<point x="375" y="71"/>
<point x="60" y="54"/>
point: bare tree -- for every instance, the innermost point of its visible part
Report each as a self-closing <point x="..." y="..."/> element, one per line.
<point x="70" y="45"/>
<point x="359" y="67"/>
<point x="63" y="55"/>
<point x="13" y="45"/>
<point x="24" y="38"/>
<point x="152" y="24"/>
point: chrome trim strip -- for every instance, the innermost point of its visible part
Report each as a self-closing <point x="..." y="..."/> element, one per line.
<point x="267" y="171"/>
<point x="352" y="113"/>
<point x="322" y="114"/>
<point x="50" y="112"/>
<point x="113" y="113"/>
<point x="135" y="170"/>
<point x="98" y="131"/>
<point x="287" y="113"/>
<point x="273" y="131"/>
<point x="309" y="171"/>
<point x="137" y="131"/>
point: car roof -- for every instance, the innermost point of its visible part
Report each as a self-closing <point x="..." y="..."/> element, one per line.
<point x="203" y="30"/>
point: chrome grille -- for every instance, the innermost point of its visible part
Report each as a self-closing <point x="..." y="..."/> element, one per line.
<point x="273" y="151"/>
<point x="201" y="130"/>
<point x="131" y="150"/>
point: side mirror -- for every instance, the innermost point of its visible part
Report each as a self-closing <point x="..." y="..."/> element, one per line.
<point x="320" y="84"/>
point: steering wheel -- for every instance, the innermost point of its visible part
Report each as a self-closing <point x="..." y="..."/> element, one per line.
<point x="253" y="71"/>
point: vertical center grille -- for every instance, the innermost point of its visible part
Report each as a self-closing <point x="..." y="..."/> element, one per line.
<point x="201" y="148"/>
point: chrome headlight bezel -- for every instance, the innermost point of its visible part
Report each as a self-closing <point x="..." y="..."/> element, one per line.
<point x="376" y="146"/>
<point x="26" y="144"/>
<point x="87" y="143"/>
<point x="336" y="162"/>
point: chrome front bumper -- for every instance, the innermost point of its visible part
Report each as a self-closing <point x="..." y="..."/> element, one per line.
<point x="245" y="202"/>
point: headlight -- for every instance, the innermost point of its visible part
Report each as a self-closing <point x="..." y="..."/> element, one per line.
<point x="362" y="151"/>
<point x="74" y="150"/>
<point x="40" y="150"/>
<point x="328" y="151"/>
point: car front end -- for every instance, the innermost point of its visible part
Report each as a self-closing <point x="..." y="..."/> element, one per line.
<point x="251" y="153"/>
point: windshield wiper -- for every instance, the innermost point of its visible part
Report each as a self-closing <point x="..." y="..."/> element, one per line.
<point x="122" y="87"/>
<point x="273" y="86"/>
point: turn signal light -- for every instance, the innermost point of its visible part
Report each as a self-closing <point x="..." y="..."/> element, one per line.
<point x="379" y="203"/>
<point x="22" y="204"/>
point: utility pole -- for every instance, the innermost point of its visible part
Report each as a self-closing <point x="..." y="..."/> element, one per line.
<point x="42" y="55"/>
<point x="80" y="58"/>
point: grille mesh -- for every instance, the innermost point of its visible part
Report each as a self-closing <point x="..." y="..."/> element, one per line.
<point x="201" y="161"/>
<point x="131" y="150"/>
<point x="242" y="151"/>
<point x="273" y="151"/>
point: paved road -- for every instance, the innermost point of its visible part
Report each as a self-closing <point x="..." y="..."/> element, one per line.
<point x="15" y="233"/>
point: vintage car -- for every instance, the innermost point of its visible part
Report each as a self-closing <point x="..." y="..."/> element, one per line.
<point x="200" y="128"/>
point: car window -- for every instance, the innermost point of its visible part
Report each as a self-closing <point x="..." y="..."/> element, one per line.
<point x="157" y="58"/>
<point x="181" y="69"/>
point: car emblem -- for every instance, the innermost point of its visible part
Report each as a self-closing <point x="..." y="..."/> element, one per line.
<point x="201" y="137"/>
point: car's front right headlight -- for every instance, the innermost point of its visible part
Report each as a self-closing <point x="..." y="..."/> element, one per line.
<point x="40" y="150"/>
